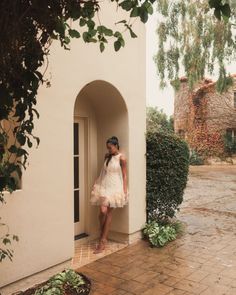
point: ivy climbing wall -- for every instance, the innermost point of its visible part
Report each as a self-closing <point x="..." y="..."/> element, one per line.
<point x="202" y="116"/>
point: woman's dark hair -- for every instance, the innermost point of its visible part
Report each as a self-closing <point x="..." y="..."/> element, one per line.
<point x="112" y="140"/>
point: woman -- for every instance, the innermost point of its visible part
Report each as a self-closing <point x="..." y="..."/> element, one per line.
<point x="110" y="189"/>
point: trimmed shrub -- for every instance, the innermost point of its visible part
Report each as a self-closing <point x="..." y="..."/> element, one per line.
<point x="167" y="173"/>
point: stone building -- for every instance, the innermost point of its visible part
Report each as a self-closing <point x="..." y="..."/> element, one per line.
<point x="203" y="116"/>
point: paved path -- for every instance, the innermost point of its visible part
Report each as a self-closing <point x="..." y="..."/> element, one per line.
<point x="202" y="261"/>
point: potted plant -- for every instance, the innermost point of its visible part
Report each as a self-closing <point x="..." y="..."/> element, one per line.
<point x="67" y="282"/>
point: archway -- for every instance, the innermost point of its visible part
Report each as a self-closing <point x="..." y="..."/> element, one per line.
<point x="99" y="113"/>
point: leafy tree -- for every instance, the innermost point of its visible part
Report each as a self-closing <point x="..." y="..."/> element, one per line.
<point x="157" y="120"/>
<point x="190" y="36"/>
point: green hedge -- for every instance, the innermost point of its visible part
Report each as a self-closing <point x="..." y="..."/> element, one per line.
<point x="167" y="173"/>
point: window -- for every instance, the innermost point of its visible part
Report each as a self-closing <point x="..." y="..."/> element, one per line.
<point x="231" y="134"/>
<point x="76" y="172"/>
<point x="230" y="141"/>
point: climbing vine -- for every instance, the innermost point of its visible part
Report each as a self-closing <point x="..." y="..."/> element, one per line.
<point x="202" y="138"/>
<point x="189" y="36"/>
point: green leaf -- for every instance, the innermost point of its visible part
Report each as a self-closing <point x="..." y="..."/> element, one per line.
<point x="13" y="149"/>
<point x="214" y="3"/>
<point x="126" y="5"/>
<point x="148" y="7"/>
<point x="135" y="12"/>
<point x="117" y="34"/>
<point x="66" y="40"/>
<point x="92" y="33"/>
<point x="74" y="33"/>
<point x="21" y="152"/>
<point x="103" y="39"/>
<point x="82" y="22"/>
<point x="6" y="241"/>
<point x="102" y="46"/>
<point x="36" y="112"/>
<point x="20" y="138"/>
<point x="93" y="40"/>
<point x="217" y="14"/>
<point x="37" y="139"/>
<point x="132" y="34"/>
<point x="122" y="41"/>
<point x="29" y="143"/>
<point x="226" y="11"/>
<point x="90" y="24"/>
<point x="117" y="45"/>
<point x="108" y="32"/>
<point x="60" y="27"/>
<point x="144" y="16"/>
<point x="101" y="29"/>
<point x="39" y="75"/>
<point x="86" y="37"/>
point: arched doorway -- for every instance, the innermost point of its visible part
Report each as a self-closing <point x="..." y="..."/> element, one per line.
<point x="99" y="113"/>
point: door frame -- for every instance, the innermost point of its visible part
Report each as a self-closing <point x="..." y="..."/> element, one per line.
<point x="86" y="172"/>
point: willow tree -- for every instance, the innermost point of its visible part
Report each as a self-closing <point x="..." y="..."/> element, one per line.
<point x="196" y="36"/>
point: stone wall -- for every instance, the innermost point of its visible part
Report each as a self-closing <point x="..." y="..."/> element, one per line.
<point x="181" y="108"/>
<point x="203" y="115"/>
<point x="221" y="113"/>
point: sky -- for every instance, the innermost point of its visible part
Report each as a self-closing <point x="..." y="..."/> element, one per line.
<point x="163" y="99"/>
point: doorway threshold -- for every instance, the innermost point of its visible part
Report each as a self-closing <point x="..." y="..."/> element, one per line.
<point x="80" y="236"/>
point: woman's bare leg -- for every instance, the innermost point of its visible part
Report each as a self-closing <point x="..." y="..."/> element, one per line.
<point x="107" y="224"/>
<point x="102" y="218"/>
<point x="105" y="229"/>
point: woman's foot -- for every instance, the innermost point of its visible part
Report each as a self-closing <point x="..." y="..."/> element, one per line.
<point x="100" y="247"/>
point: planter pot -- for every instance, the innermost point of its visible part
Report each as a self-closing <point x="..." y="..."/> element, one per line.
<point x="83" y="289"/>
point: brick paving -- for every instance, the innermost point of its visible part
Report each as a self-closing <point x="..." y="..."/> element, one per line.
<point x="202" y="261"/>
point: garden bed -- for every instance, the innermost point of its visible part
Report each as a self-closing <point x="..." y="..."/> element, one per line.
<point x="66" y="288"/>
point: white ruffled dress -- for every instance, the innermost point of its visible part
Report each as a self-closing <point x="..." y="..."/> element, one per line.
<point x="108" y="188"/>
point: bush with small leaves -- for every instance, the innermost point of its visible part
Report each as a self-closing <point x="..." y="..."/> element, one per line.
<point x="167" y="174"/>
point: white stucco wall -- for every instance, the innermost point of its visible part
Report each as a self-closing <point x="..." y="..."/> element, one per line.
<point x="41" y="214"/>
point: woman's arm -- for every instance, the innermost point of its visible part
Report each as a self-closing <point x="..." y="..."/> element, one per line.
<point x="99" y="177"/>
<point x="123" y="164"/>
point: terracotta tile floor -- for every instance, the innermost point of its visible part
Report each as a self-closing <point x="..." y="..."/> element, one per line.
<point x="186" y="266"/>
<point x="202" y="261"/>
<point x="84" y="253"/>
